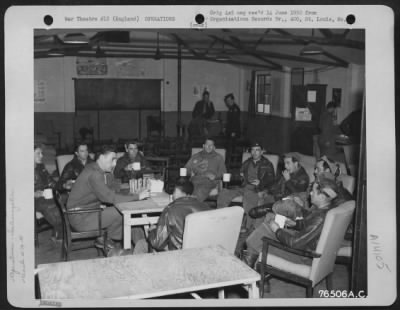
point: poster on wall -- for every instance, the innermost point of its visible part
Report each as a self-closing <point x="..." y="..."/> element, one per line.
<point x="40" y="92"/>
<point x="91" y="66"/>
<point x="127" y="67"/>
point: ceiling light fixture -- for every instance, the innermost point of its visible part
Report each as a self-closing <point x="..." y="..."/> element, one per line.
<point x="56" y="52"/>
<point x="75" y="38"/>
<point x="311" y="48"/>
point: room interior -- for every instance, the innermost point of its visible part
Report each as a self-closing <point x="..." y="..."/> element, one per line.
<point x="114" y="83"/>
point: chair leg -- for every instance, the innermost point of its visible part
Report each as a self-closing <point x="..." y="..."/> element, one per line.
<point x="309" y="291"/>
<point x="329" y="281"/>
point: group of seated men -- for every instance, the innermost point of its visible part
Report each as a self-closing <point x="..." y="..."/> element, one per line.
<point x="93" y="183"/>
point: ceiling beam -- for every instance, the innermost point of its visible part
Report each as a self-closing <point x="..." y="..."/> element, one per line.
<point x="292" y="57"/>
<point x="335" y="58"/>
<point x="344" y="34"/>
<point x="239" y="46"/>
<point x="186" y="45"/>
<point x="260" y="39"/>
<point x="289" y="35"/>
<point x="326" y="32"/>
<point x="130" y="55"/>
<point x="324" y="41"/>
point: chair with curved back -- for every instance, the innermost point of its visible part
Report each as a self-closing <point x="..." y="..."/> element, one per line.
<point x="223" y="227"/>
<point x="62" y="160"/>
<point x="323" y="258"/>
<point x="70" y="236"/>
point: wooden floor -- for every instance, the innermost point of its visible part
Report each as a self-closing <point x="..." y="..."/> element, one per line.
<point x="48" y="252"/>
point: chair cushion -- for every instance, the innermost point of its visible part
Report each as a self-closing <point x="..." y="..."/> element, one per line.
<point x="39" y="215"/>
<point x="283" y="264"/>
<point x="345" y="251"/>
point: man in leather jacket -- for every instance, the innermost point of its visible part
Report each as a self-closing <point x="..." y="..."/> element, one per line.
<point x="302" y="233"/>
<point x="168" y="233"/>
<point x="124" y="165"/>
<point x="258" y="175"/>
<point x="47" y="207"/>
<point x="73" y="169"/>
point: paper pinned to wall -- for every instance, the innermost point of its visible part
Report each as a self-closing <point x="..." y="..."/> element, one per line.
<point x="40" y="91"/>
<point x="303" y="114"/>
<point x="312" y="96"/>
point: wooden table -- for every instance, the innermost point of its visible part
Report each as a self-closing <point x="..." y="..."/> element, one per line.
<point x="146" y="275"/>
<point x="154" y="205"/>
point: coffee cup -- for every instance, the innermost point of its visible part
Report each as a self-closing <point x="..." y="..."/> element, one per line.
<point x="226" y="177"/>
<point x="136" y="166"/>
<point x="182" y="172"/>
<point x="48" y="193"/>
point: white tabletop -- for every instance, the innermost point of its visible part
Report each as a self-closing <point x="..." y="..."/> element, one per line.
<point x="145" y="275"/>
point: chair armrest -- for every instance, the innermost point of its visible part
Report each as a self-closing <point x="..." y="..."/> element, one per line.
<point x="84" y="210"/>
<point x="267" y="242"/>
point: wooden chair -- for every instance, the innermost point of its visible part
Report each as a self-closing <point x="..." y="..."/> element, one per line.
<point x="323" y="258"/>
<point x="223" y="227"/>
<point x="70" y="236"/>
<point x="62" y="160"/>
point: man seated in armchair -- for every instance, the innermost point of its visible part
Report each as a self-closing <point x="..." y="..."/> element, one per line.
<point x="258" y="175"/>
<point x="124" y="164"/>
<point x="294" y="179"/>
<point x="168" y="233"/>
<point x="91" y="190"/>
<point x="74" y="168"/>
<point x="206" y="168"/>
<point x="303" y="224"/>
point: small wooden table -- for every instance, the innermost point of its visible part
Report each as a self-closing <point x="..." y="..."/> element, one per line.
<point x="146" y="275"/>
<point x="154" y="205"/>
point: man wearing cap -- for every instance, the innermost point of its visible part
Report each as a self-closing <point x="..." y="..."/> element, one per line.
<point x="289" y="204"/>
<point x="258" y="175"/>
<point x="300" y="233"/>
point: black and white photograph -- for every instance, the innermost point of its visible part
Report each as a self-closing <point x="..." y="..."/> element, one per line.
<point x="198" y="163"/>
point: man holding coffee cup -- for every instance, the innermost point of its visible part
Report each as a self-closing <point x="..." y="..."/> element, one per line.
<point x="258" y="174"/>
<point x="91" y="190"/>
<point x="73" y="169"/>
<point x="125" y="164"/>
<point x="44" y="202"/>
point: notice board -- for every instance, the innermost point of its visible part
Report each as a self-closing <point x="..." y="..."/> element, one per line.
<point x="117" y="94"/>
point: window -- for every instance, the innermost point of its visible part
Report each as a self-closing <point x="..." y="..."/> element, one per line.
<point x="263" y="93"/>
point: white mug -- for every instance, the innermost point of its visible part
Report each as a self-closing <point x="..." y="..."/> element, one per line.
<point x="226" y="177"/>
<point x="280" y="220"/>
<point x="182" y="172"/>
<point x="48" y="193"/>
<point x="136" y="166"/>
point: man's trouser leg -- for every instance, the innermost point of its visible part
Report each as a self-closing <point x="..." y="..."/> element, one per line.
<point x="226" y="196"/>
<point x="250" y="200"/>
<point x="253" y="241"/>
<point x="110" y="219"/>
<point x="202" y="188"/>
<point x="52" y="215"/>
